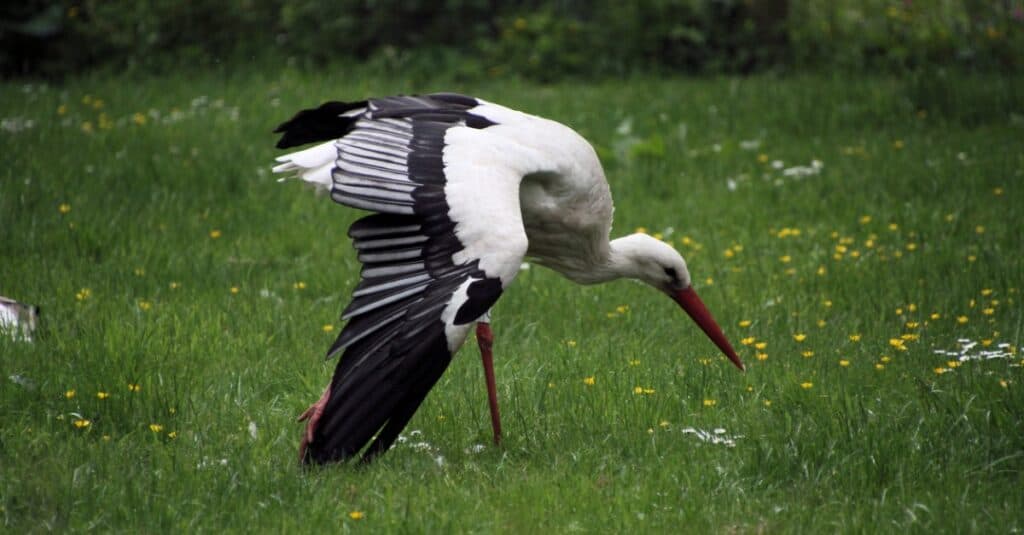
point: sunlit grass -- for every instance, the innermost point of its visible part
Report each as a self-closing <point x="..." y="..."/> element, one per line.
<point x="861" y="250"/>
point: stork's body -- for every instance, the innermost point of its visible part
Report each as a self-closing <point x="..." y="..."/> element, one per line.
<point x="464" y="190"/>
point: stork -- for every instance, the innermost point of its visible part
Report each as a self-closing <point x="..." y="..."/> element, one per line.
<point x="463" y="191"/>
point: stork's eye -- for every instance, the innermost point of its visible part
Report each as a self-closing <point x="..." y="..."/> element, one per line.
<point x="671" y="272"/>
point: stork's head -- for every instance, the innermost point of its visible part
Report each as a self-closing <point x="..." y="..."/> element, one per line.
<point x="657" y="263"/>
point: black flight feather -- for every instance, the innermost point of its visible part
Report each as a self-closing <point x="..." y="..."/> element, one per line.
<point x="317" y="124"/>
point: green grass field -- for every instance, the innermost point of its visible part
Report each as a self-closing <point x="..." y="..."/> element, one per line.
<point x="842" y="230"/>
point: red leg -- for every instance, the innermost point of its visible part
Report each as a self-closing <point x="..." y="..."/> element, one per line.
<point x="313" y="414"/>
<point x="485" y="338"/>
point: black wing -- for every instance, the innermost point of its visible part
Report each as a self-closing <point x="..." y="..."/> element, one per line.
<point x="397" y="340"/>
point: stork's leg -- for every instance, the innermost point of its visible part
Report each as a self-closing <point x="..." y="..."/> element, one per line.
<point x="313" y="414"/>
<point x="485" y="338"/>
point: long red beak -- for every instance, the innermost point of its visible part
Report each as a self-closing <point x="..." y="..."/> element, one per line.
<point x="687" y="298"/>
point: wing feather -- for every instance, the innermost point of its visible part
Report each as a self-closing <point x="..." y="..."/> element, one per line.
<point x="419" y="292"/>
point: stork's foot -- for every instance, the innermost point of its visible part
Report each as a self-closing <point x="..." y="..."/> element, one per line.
<point x="312" y="418"/>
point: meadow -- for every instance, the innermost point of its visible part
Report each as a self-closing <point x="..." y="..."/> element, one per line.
<point x="859" y="239"/>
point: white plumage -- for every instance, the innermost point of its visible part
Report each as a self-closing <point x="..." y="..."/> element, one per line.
<point x="464" y="190"/>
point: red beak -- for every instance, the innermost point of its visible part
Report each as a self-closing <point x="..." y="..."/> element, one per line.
<point x="687" y="298"/>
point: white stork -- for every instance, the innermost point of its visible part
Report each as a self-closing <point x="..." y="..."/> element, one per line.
<point x="464" y="191"/>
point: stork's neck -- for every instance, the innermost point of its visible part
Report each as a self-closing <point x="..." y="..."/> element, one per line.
<point x="612" y="262"/>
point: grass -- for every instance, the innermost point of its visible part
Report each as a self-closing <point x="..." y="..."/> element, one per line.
<point x="164" y="256"/>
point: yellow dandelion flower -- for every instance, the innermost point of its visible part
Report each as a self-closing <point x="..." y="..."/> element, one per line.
<point x="807" y="385"/>
<point x="709" y="281"/>
<point x="762" y="356"/>
<point x="997" y="191"/>
<point x="139" y="119"/>
<point x="897" y="343"/>
<point x="961" y="319"/>
<point x="175" y="285"/>
<point x="70" y="393"/>
<point x="985" y="342"/>
<point x="785" y="259"/>
<point x="980" y="229"/>
<point x="81" y="423"/>
<point x="358" y="515"/>
<point x="622" y="309"/>
<point x="844" y="363"/>
<point x="1004" y="383"/>
<point x="885" y="358"/>
<point x="87" y="127"/>
<point x="102" y="395"/>
<point x="912" y="324"/>
<point x="767" y="403"/>
<point x="897" y="144"/>
<point x="744" y="323"/>
<point x="940" y="370"/>
<point x="648" y="391"/>
<point x="821" y="324"/>
<point x="760" y="345"/>
<point x="821" y="271"/>
<point x="235" y="289"/>
<point x="762" y="158"/>
<point x="570" y="343"/>
<point x="64" y="208"/>
<point x="710" y="402"/>
<point x="83" y="294"/>
<point x="634" y="362"/>
<point x="638" y="390"/>
<point x="728" y="253"/>
<point x="910" y="336"/>
<point x="328" y="328"/>
<point x="156" y="428"/>
<point x="935" y="316"/>
<point x="747" y="341"/>
<point x="864" y="219"/>
<point x="663" y="424"/>
<point x="808" y="354"/>
<point x="988" y="311"/>
<point x="855" y="337"/>
<point x="827" y="303"/>
<point x="172" y="435"/>
<point x="145" y="305"/>
<point x="134" y="387"/>
<point x="985" y="292"/>
<point x="799" y="337"/>
<point x="879" y="366"/>
<point x="300" y="285"/>
<point x="640" y="230"/>
<point x="215" y="233"/>
<point x="589" y="381"/>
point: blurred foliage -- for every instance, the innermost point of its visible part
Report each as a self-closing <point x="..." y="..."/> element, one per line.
<point x="538" y="39"/>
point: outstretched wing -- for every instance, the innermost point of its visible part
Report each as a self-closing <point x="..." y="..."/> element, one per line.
<point x="447" y="238"/>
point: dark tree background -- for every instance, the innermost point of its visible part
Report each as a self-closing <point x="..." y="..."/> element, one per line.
<point x="539" y="39"/>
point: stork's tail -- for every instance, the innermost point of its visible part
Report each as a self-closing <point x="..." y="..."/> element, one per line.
<point x="330" y="121"/>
